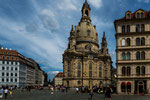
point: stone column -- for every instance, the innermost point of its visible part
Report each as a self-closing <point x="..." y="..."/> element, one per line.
<point x="118" y="87"/>
<point x="132" y="87"/>
<point x="148" y="87"/>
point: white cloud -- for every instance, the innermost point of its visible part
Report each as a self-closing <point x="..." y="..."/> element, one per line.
<point x="53" y="72"/>
<point x="49" y="20"/>
<point x="47" y="50"/>
<point x="96" y="3"/>
<point x="145" y="1"/>
<point x="102" y="22"/>
<point x="66" y="5"/>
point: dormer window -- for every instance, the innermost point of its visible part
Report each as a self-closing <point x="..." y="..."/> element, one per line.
<point x="138" y="15"/>
<point x="142" y="15"/>
<point x="128" y="16"/>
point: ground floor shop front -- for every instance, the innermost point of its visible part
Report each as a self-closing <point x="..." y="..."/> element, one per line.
<point x="133" y="86"/>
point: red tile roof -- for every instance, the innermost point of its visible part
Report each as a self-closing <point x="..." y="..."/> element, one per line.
<point x="146" y="13"/>
<point x="60" y="74"/>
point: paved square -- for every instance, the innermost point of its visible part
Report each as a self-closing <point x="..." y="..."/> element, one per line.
<point x="70" y="95"/>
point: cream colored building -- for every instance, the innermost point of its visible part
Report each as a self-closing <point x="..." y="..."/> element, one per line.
<point x="132" y="51"/>
<point x="84" y="64"/>
<point x="58" y="80"/>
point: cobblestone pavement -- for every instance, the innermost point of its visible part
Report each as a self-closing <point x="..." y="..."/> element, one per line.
<point x="71" y="95"/>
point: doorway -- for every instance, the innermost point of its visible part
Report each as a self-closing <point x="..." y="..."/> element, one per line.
<point x="141" y="87"/>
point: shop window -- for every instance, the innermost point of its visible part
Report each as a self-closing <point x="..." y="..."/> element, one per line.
<point x="123" y="87"/>
<point x="129" y="87"/>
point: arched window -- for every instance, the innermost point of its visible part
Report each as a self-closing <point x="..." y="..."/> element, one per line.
<point x="123" y="55"/>
<point x="88" y="31"/>
<point x="123" y="29"/>
<point x="142" y="28"/>
<point x="128" y="71"/>
<point x="79" y="69"/>
<point x="128" y="55"/>
<point x="100" y="70"/>
<point x="90" y="69"/>
<point x="128" y="41"/>
<point x="123" y="87"/>
<point x="143" y="70"/>
<point x="138" y="15"/>
<point x="138" y="56"/>
<point x="128" y="28"/>
<point x="138" y="70"/>
<point x="86" y="13"/>
<point x="137" y="41"/>
<point x="143" y="55"/>
<point x="142" y="41"/>
<point x="138" y="28"/>
<point x="123" y="71"/>
<point x="123" y="42"/>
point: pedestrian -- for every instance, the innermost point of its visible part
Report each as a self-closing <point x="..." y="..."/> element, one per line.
<point x="52" y="90"/>
<point x="108" y="93"/>
<point x="66" y="89"/>
<point x="6" y="92"/>
<point x="1" y="93"/>
<point x="77" y="89"/>
<point x="63" y="89"/>
<point x="91" y="93"/>
<point x="11" y="93"/>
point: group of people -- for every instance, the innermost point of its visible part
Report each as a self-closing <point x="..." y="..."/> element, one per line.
<point x="107" y="92"/>
<point x="4" y="92"/>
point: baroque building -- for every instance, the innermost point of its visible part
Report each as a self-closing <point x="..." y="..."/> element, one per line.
<point x="132" y="51"/>
<point x="84" y="64"/>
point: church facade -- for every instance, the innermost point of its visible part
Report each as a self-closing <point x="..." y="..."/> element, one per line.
<point x="84" y="62"/>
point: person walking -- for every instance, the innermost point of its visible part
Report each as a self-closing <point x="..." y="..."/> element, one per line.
<point x="1" y="93"/>
<point x="11" y="93"/>
<point x="6" y="92"/>
<point x="52" y="90"/>
<point x="108" y="93"/>
<point x="91" y="93"/>
<point x="77" y="89"/>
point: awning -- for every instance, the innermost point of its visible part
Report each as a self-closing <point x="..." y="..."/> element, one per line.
<point x="129" y="83"/>
<point x="123" y="83"/>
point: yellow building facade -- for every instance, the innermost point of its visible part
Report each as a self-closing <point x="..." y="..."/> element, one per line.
<point x="132" y="52"/>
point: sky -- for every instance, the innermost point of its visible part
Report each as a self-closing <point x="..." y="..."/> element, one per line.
<point x="39" y="29"/>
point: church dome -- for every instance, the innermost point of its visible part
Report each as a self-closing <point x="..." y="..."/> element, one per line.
<point x="85" y="33"/>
